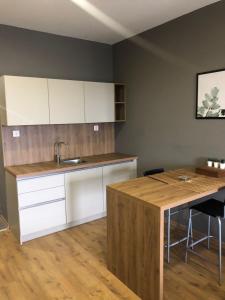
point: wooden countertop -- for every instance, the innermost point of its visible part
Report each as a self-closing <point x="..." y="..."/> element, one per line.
<point x="43" y="168"/>
<point x="135" y="225"/>
<point x="166" y="190"/>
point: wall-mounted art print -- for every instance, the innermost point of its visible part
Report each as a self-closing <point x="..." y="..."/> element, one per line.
<point x="211" y="95"/>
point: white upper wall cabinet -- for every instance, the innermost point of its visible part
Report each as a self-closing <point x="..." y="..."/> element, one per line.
<point x="24" y="101"/>
<point x="66" y="101"/>
<point x="36" y="101"/>
<point x="99" y="102"/>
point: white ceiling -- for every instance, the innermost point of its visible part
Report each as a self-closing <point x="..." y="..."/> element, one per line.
<point x="106" y="21"/>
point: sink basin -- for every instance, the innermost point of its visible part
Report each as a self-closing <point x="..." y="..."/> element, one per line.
<point x="76" y="160"/>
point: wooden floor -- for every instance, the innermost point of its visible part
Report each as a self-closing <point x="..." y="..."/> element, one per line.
<point x="72" y="265"/>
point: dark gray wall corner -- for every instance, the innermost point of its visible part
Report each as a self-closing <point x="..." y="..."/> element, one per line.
<point x="33" y="53"/>
<point x="159" y="67"/>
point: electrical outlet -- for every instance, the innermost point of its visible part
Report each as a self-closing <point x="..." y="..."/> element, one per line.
<point x="96" y="128"/>
<point x="16" y="133"/>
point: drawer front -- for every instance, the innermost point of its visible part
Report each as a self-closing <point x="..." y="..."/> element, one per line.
<point x="38" y="197"/>
<point x="40" y="183"/>
<point x="42" y="217"/>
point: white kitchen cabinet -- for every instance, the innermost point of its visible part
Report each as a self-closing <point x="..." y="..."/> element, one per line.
<point x="36" y="101"/>
<point x="84" y="194"/>
<point x="118" y="173"/>
<point x="42" y="205"/>
<point x="99" y="102"/>
<point x="66" y="101"/>
<point x="24" y="100"/>
<point x="36" y="206"/>
<point x="42" y="217"/>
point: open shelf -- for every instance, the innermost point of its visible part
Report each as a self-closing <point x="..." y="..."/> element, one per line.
<point x="120" y="112"/>
<point x="120" y="102"/>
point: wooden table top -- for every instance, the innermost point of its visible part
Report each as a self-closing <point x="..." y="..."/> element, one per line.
<point x="166" y="190"/>
<point x="43" y="168"/>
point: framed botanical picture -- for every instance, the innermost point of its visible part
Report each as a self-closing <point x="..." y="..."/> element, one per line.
<point x="210" y="102"/>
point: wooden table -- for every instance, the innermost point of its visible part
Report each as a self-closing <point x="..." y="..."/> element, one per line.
<point x="135" y="225"/>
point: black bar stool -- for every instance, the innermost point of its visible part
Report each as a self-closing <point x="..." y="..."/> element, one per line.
<point x="170" y="213"/>
<point x="212" y="208"/>
<point x="153" y="171"/>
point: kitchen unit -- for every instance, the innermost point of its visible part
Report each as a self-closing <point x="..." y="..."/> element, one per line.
<point x="36" y="101"/>
<point x="35" y="113"/>
<point x="43" y="196"/>
<point x="60" y="196"/>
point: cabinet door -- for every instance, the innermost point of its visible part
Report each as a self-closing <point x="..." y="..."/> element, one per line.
<point x="66" y="101"/>
<point x="26" y="100"/>
<point x="84" y="194"/>
<point x="99" y="102"/>
<point x="118" y="173"/>
<point x="42" y="217"/>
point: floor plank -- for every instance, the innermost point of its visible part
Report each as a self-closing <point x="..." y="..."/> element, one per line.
<point x="72" y="265"/>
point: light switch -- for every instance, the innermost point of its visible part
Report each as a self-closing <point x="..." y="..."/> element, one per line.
<point x="96" y="128"/>
<point x="16" y="133"/>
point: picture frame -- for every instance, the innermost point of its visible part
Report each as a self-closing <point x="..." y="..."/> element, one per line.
<point x="210" y="95"/>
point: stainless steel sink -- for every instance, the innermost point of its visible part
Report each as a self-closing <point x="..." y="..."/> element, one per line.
<point x="76" y="160"/>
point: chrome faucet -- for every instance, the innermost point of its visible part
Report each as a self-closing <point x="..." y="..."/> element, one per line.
<point x="57" y="148"/>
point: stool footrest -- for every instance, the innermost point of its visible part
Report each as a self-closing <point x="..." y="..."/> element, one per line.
<point x="177" y="242"/>
<point x="199" y="241"/>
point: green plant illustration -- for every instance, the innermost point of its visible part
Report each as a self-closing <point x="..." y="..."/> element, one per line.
<point x="210" y="106"/>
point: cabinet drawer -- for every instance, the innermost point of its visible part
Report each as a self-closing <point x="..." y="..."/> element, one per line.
<point x="40" y="183"/>
<point x="32" y="198"/>
<point x="42" y="217"/>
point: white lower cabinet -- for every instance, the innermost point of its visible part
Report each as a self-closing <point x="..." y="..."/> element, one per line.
<point x="46" y="204"/>
<point x="84" y="194"/>
<point x="36" y="206"/>
<point x="118" y="173"/>
<point x="42" y="217"/>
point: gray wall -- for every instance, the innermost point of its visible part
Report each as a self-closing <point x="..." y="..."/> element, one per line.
<point x="159" y="67"/>
<point x="31" y="53"/>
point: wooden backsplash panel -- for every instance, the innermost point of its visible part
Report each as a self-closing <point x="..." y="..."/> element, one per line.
<point x="36" y="143"/>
